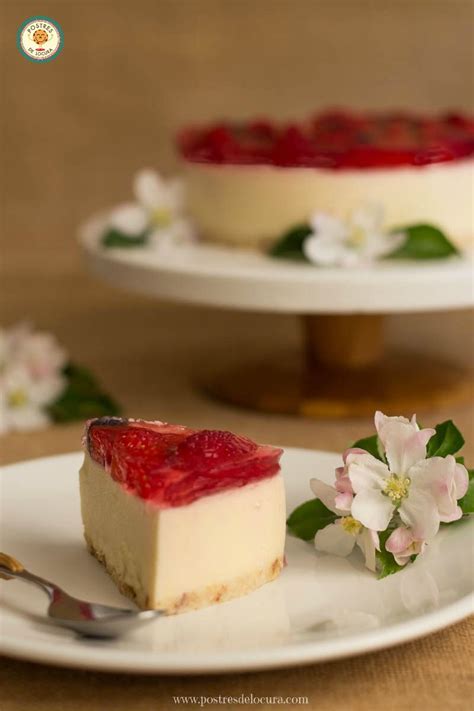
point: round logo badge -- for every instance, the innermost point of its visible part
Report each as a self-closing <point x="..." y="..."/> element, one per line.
<point x="40" y="39"/>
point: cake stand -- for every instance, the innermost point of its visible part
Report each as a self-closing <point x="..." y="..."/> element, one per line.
<point x="343" y="369"/>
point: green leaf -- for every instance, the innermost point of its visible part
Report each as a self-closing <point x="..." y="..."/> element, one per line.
<point x="371" y="445"/>
<point x="82" y="398"/>
<point x="423" y="242"/>
<point x="467" y="501"/>
<point x="114" y="238"/>
<point x="447" y="440"/>
<point x="387" y="563"/>
<point x="290" y="246"/>
<point x="309" y="518"/>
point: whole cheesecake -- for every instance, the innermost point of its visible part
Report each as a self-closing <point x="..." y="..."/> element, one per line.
<point x="181" y="518"/>
<point x="247" y="183"/>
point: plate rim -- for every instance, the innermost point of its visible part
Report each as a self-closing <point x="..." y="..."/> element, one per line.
<point x="89" y="656"/>
<point x="246" y="661"/>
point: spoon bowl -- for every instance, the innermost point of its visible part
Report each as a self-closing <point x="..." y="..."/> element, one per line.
<point x="88" y="619"/>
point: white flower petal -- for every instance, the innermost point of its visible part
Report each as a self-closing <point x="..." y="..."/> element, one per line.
<point x="365" y="541"/>
<point x="368" y="217"/>
<point x="27" y="418"/>
<point x="461" y="480"/>
<point x="335" y="540"/>
<point x="372" y="509"/>
<point x="439" y="476"/>
<point x="129" y="219"/>
<point x="346" y="453"/>
<point x="454" y="514"/>
<point x="326" y="225"/>
<point x="380" y="420"/>
<point x="16" y="378"/>
<point x="325" y="493"/>
<point x="375" y="539"/>
<point x="323" y="250"/>
<point x="41" y="354"/>
<point x="45" y="390"/>
<point x="161" y="198"/>
<point x="150" y="189"/>
<point x="366" y="472"/>
<point x="404" y="444"/>
<point x="419" y="512"/>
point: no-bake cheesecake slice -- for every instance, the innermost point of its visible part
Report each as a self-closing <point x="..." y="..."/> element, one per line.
<point x="181" y="518"/>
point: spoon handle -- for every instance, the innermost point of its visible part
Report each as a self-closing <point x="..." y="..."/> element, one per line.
<point x="12" y="568"/>
<point x="12" y="564"/>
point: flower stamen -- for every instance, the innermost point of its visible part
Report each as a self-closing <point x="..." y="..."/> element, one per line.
<point x="396" y="488"/>
<point x="351" y="525"/>
<point x="17" y="398"/>
<point x="161" y="217"/>
<point x="357" y="238"/>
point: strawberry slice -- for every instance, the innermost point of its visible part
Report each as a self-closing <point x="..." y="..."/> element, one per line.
<point x="100" y="439"/>
<point x="209" y="449"/>
<point x="174" y="465"/>
<point x="194" y="484"/>
<point x="137" y="456"/>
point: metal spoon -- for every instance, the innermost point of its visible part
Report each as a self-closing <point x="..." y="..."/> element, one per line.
<point x="89" y="619"/>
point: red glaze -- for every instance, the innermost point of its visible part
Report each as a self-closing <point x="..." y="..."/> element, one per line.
<point x="335" y="140"/>
<point x="173" y="465"/>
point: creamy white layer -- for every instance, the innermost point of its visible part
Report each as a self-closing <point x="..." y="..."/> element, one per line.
<point x="253" y="205"/>
<point x="188" y="556"/>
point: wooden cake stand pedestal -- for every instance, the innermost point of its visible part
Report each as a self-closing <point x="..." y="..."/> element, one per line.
<point x="343" y="369"/>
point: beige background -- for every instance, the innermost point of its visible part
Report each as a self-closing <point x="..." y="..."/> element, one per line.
<point x="72" y="133"/>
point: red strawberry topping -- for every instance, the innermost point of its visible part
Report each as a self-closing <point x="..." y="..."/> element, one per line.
<point x="173" y="465"/>
<point x="100" y="443"/>
<point x="209" y="449"/>
<point x="336" y="140"/>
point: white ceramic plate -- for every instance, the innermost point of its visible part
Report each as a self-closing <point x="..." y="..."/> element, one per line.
<point x="320" y="608"/>
<point x="234" y="278"/>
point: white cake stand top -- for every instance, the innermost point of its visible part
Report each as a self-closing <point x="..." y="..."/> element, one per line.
<point x="241" y="279"/>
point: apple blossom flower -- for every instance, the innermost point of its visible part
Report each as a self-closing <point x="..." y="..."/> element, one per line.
<point x="403" y="545"/>
<point x="31" y="377"/>
<point x="162" y="199"/>
<point x="23" y="398"/>
<point x="157" y="211"/>
<point x="423" y="492"/>
<point x="361" y="239"/>
<point x="340" y="538"/>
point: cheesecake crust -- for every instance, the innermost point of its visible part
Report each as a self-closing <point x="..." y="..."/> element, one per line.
<point x="194" y="599"/>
